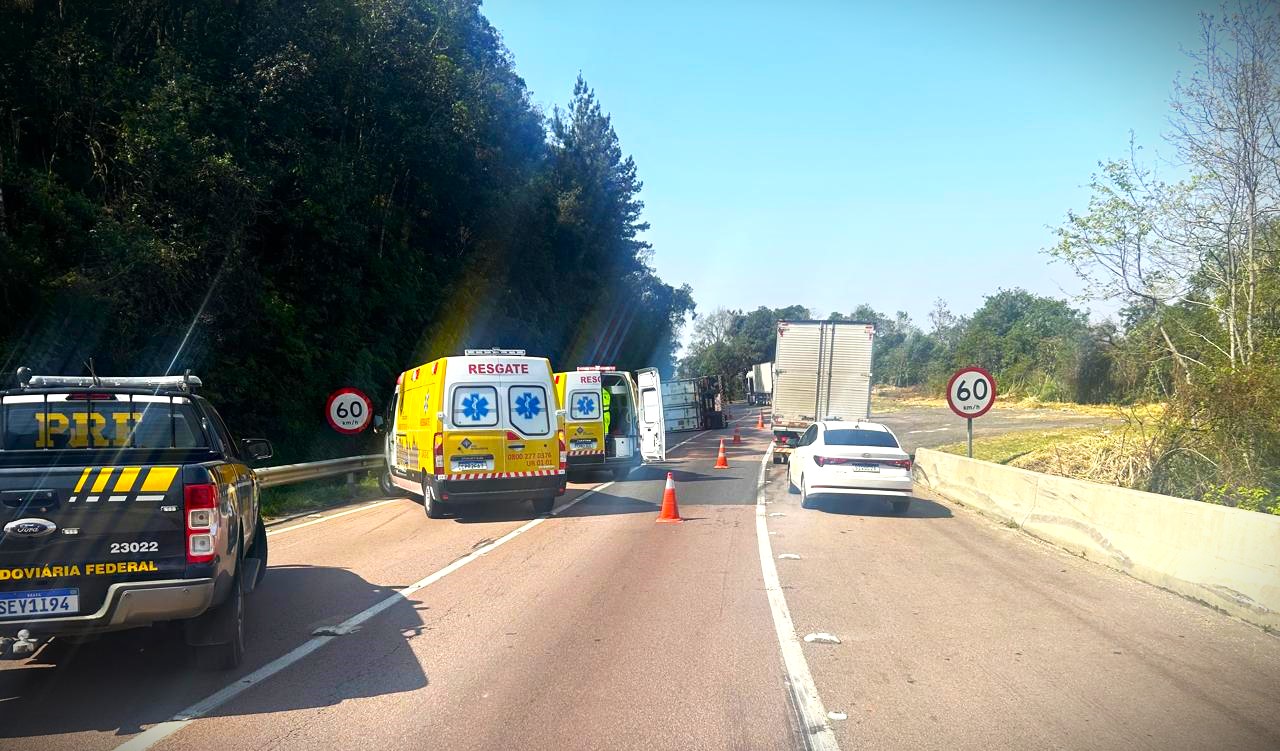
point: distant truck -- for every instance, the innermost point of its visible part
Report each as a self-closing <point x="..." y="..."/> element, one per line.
<point x="693" y="404"/>
<point x="760" y="384"/>
<point x="822" y="371"/>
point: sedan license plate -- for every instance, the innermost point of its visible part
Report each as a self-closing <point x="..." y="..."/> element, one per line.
<point x="582" y="443"/>
<point x="472" y="464"/>
<point x="40" y="602"/>
<point x="865" y="467"/>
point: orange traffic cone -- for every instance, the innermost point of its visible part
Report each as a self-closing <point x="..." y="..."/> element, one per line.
<point x="722" y="461"/>
<point x="670" y="513"/>
<point x="737" y="437"/>
<point x="760" y="420"/>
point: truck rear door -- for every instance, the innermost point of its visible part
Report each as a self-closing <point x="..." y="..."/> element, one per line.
<point x="91" y="494"/>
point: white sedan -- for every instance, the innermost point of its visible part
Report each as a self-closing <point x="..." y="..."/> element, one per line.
<point x="859" y="458"/>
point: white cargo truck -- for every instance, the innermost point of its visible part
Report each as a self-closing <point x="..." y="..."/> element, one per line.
<point x="822" y="371"/>
<point x="760" y="384"/>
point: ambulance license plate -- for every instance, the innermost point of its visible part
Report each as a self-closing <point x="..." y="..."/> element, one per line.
<point x="582" y="443"/>
<point x="40" y="602"/>
<point x="472" y="464"/>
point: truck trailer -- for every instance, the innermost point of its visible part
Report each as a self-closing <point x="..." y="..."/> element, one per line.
<point x="822" y="371"/>
<point x="693" y="404"/>
<point x="760" y="384"/>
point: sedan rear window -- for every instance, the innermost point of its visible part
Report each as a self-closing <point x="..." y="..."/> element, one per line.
<point x="859" y="437"/>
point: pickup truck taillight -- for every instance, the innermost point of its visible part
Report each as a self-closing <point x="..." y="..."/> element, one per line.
<point x="200" y="504"/>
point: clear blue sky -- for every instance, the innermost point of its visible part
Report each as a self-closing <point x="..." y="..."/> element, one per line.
<point x="832" y="153"/>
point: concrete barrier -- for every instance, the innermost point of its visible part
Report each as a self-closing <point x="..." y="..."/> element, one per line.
<point x="1224" y="557"/>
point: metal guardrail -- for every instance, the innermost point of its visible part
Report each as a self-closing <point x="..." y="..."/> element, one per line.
<point x="289" y="474"/>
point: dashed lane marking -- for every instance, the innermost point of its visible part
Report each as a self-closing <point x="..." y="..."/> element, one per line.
<point x="158" y="732"/>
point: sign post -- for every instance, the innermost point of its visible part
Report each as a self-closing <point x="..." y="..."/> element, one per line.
<point x="348" y="411"/>
<point x="970" y="393"/>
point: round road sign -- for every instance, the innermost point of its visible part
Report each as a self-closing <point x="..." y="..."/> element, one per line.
<point x="971" y="392"/>
<point x="348" y="411"/>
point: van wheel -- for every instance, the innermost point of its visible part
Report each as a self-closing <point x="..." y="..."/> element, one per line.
<point x="434" y="507"/>
<point x="385" y="484"/>
<point x="544" y="505"/>
<point x="225" y="623"/>
<point x="258" y="550"/>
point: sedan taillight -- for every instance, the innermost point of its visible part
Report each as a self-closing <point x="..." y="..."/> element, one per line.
<point x="899" y="463"/>
<point x="823" y="461"/>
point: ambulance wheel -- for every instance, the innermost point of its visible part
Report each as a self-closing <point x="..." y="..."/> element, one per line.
<point x="224" y="623"/>
<point x="544" y="505"/>
<point x="434" y="507"/>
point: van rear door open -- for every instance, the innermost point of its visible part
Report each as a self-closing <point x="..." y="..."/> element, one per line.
<point x="653" y="434"/>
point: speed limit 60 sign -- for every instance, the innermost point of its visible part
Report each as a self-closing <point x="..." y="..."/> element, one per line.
<point x="971" y="392"/>
<point x="348" y="411"/>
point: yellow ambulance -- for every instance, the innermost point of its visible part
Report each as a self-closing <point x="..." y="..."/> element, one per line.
<point x="480" y="427"/>
<point x="613" y="420"/>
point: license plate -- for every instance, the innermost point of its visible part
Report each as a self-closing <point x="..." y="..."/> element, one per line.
<point x="472" y="465"/>
<point x="40" y="602"/>
<point x="582" y="443"/>
<point x="865" y="467"/>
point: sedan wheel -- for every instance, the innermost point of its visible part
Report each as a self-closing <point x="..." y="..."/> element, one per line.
<point x="804" y="495"/>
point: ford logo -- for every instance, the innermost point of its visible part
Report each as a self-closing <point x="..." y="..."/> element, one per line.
<point x="30" y="528"/>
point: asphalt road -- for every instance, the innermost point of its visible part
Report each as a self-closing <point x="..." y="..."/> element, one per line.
<point x="597" y="628"/>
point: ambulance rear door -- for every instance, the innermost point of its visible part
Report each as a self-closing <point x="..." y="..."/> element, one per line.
<point x="532" y="445"/>
<point x="653" y="435"/>
<point x="584" y="420"/>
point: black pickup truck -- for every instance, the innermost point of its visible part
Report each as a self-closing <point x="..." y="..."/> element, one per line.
<point x="125" y="502"/>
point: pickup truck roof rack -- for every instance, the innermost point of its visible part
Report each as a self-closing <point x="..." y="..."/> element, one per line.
<point x="186" y="382"/>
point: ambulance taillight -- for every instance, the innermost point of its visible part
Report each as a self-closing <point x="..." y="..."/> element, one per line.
<point x="438" y="451"/>
<point x="564" y="453"/>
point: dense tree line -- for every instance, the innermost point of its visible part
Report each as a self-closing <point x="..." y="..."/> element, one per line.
<point x="291" y="197"/>
<point x="1036" y="346"/>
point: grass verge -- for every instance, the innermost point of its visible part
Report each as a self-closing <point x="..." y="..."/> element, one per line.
<point x="287" y="500"/>
<point x="1007" y="448"/>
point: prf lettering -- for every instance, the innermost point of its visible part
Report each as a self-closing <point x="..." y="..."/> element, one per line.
<point x="81" y="426"/>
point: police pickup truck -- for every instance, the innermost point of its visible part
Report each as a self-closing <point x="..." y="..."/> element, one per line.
<point x="125" y="502"/>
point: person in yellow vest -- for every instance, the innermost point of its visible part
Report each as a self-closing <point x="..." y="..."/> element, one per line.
<point x="606" y="408"/>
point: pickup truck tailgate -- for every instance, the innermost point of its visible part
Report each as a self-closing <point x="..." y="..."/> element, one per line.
<point x="69" y="532"/>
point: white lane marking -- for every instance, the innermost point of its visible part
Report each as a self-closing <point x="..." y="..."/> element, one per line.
<point x="158" y="732"/>
<point x="678" y="445"/>
<point x="837" y="715"/>
<point x="931" y="430"/>
<point x="804" y="693"/>
<point x="789" y="557"/>
<point x="340" y="514"/>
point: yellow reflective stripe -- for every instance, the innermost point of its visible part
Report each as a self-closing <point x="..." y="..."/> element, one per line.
<point x="128" y="476"/>
<point x="158" y="479"/>
<point x="83" y="476"/>
<point x="100" y="484"/>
